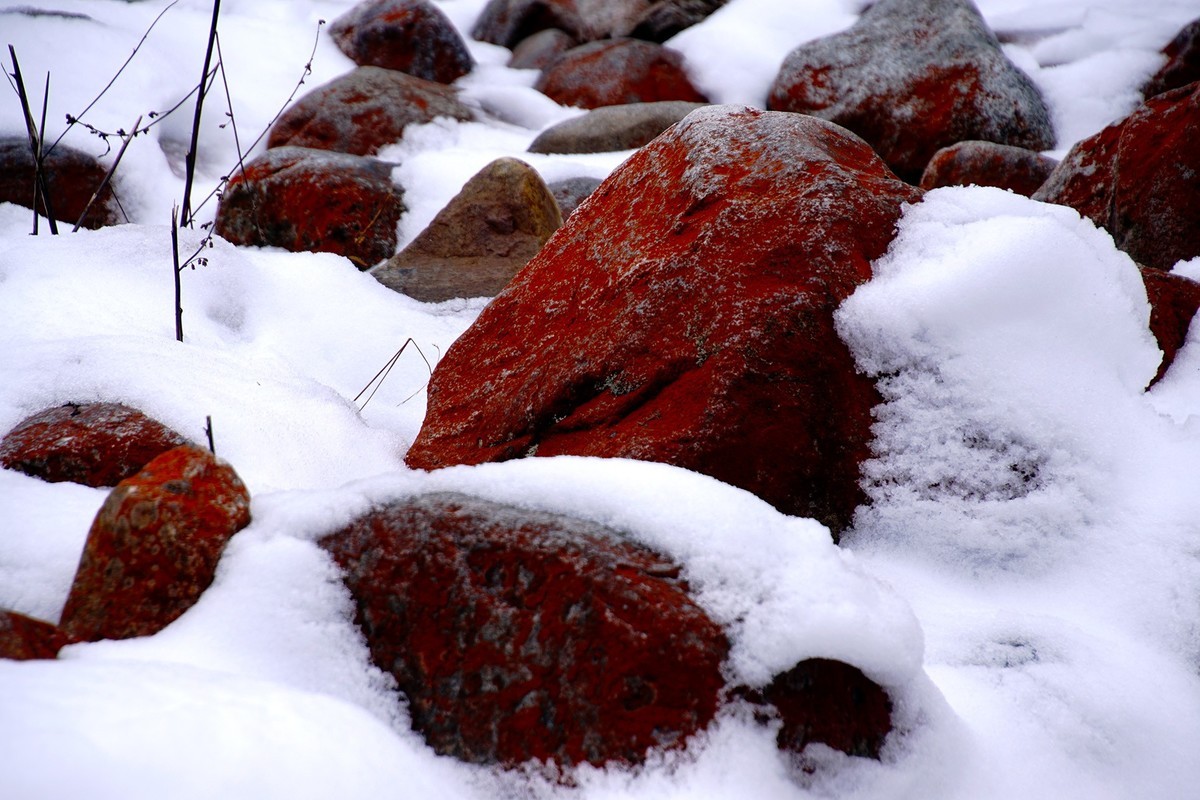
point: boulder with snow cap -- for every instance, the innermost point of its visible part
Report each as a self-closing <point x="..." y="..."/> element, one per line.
<point x="411" y="36"/>
<point x="912" y="77"/>
<point x="684" y="314"/>
<point x="617" y="71"/>
<point x="154" y="545"/>
<point x="95" y="444"/>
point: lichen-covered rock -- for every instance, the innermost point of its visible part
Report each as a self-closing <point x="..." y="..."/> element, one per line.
<point x="666" y="18"/>
<point x="1174" y="301"/>
<point x="519" y="635"/>
<point x="475" y="245"/>
<point x="95" y="444"/>
<point x="684" y="314"/>
<point x="1183" y="62"/>
<point x="569" y="193"/>
<point x="988" y="164"/>
<point x="411" y="36"/>
<point x="24" y="638"/>
<point x="154" y="545"/>
<point x="912" y="77"/>
<point x="364" y="110"/>
<point x="615" y="72"/>
<point x="314" y="200"/>
<point x="72" y="178"/>
<point x="611" y="128"/>
<point x="1137" y="179"/>
<point x="508" y="22"/>
<point x="541" y="49"/>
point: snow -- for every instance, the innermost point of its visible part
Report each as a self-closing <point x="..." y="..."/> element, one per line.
<point x="1024" y="582"/>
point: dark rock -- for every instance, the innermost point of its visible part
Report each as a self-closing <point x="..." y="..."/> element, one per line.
<point x="411" y="36"/>
<point x="480" y="240"/>
<point x="1174" y="301"/>
<point x="611" y="128"/>
<point x="314" y="200"/>
<point x="23" y="638"/>
<point x="95" y="444"/>
<point x="988" y="164"/>
<point x="507" y="22"/>
<point x="363" y="111"/>
<point x="666" y="18"/>
<point x="1183" y="62"/>
<point x="831" y="703"/>
<point x="1137" y="179"/>
<point x="615" y="72"/>
<point x="154" y="545"/>
<point x="541" y="49"/>
<point x="520" y="635"/>
<point x="72" y="178"/>
<point x="912" y="77"/>
<point x="684" y="314"/>
<point x="570" y="193"/>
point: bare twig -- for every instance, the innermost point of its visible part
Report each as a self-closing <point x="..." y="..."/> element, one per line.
<point x="107" y="176"/>
<point x="381" y="376"/>
<point x="208" y="429"/>
<point x="176" y="271"/>
<point x="41" y="186"/>
<point x="185" y="213"/>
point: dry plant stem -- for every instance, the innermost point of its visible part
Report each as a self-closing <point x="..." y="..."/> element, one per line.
<point x="41" y="188"/>
<point x="125" y="140"/>
<point x="381" y="376"/>
<point x="177" y="270"/>
<point x="185" y="213"/>
<point x="208" y="430"/>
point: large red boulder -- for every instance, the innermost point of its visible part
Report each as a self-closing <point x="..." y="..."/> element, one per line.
<point x="24" y="638"/>
<point x="314" y="200"/>
<point x="1174" y="301"/>
<point x="1137" y="179"/>
<point x="95" y="444"/>
<point x="911" y="77"/>
<point x="411" y="36"/>
<point x="72" y="178"/>
<point x="1183" y="62"/>
<point x="988" y="164"/>
<point x="519" y="635"/>
<point x="615" y="72"/>
<point x="154" y="545"/>
<point x="363" y="111"/>
<point x="684" y="314"/>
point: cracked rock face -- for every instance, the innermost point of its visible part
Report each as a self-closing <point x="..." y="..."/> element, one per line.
<point x="519" y="635"/>
<point x="684" y="314"/>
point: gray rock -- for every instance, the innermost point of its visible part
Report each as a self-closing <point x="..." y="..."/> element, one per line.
<point x="541" y="49"/>
<point x="570" y="193"/>
<point x="611" y="128"/>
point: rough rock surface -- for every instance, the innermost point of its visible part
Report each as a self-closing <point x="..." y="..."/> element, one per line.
<point x="95" y="444"/>
<point x="23" y="638"/>
<point x="541" y="49"/>
<point x="364" y="110"/>
<point x="154" y="545"/>
<point x="1138" y="180"/>
<point x="911" y="77"/>
<point x="72" y="177"/>
<point x="480" y="240"/>
<point x="666" y="18"/>
<point x="611" y="128"/>
<point x="411" y="36"/>
<point x="507" y="22"/>
<point x="988" y="164"/>
<point x="273" y="203"/>
<point x="571" y="192"/>
<point x="519" y="635"/>
<point x="831" y="703"/>
<point x="684" y="315"/>
<point x="1174" y="301"/>
<point x="1183" y="62"/>
<point x="615" y="72"/>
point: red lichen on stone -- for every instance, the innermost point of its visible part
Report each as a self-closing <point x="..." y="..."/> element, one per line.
<point x="72" y="177"/>
<point x="1183" y="62"/>
<point x="520" y="635"/>
<point x="154" y="545"/>
<point x="411" y="36"/>
<point x="24" y="638"/>
<point x="1174" y="301"/>
<point x="988" y="164"/>
<point x="615" y="72"/>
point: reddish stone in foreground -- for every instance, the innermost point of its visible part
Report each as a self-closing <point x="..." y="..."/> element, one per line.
<point x="24" y="638"/>
<point x="411" y="36"/>
<point x="616" y="72"/>
<point x="684" y="314"/>
<point x="314" y="200"/>
<point x="1137" y="179"/>
<point x="95" y="444"/>
<point x="832" y="703"/>
<point x="154" y="546"/>
<point x="988" y="164"/>
<point x="72" y="177"/>
<point x="519" y="635"/>
<point x="1174" y="301"/>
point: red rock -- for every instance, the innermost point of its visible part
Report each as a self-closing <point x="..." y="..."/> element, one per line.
<point x="363" y="111"/>
<point x="95" y="444"/>
<point x="72" y="178"/>
<point x="352" y="212"/>
<point x="684" y="314"/>
<point x="1183" y="62"/>
<point x="154" y="545"/>
<point x="912" y="77"/>
<point x="832" y="703"/>
<point x="24" y="638"/>
<point x="411" y="36"/>
<point x="1174" y="301"/>
<point x="616" y="72"/>
<point x="519" y="635"/>
<point x="1137" y="179"/>
<point x="988" y="164"/>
